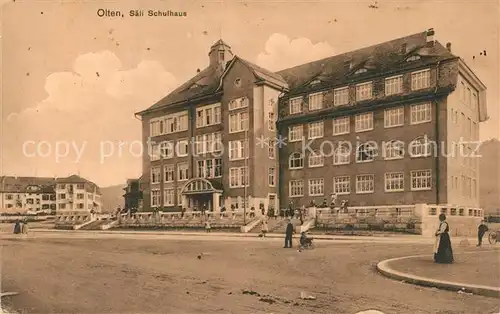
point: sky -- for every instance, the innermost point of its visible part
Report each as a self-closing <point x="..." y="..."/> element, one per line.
<point x="72" y="81"/>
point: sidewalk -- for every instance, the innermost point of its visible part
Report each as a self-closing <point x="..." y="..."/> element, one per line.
<point x="390" y="238"/>
<point x="475" y="272"/>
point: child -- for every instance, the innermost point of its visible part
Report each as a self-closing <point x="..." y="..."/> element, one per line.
<point x="264" y="229"/>
<point x="207" y="226"/>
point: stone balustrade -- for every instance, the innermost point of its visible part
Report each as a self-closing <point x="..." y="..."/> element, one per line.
<point x="188" y="219"/>
<point x="72" y="220"/>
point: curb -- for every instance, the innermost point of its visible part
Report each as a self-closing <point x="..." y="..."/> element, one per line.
<point x="384" y="268"/>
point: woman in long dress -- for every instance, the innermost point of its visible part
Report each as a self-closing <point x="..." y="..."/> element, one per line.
<point x="443" y="252"/>
<point x="17" y="227"/>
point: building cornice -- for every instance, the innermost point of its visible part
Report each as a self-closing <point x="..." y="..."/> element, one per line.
<point x="469" y="75"/>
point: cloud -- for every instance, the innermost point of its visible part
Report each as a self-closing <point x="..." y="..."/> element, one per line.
<point x="85" y="109"/>
<point x="281" y="52"/>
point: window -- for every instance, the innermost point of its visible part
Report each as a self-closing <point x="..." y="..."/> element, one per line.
<point x="421" y="79"/>
<point x="62" y="186"/>
<point x="238" y="177"/>
<point x="468" y="96"/>
<point x="238" y="103"/>
<point x="363" y="70"/>
<point x="182" y="171"/>
<point x="420" y="113"/>
<point x="366" y="152"/>
<point x="315" y="130"/>
<point x="80" y="186"/>
<point x="62" y="206"/>
<point x="237" y="82"/>
<point x="155" y="127"/>
<point x="295" y="133"/>
<point x="365" y="184"/>
<point x="341" y="96"/>
<point x="9" y="196"/>
<point x="238" y="122"/>
<point x="208" y="143"/>
<point x="238" y="150"/>
<point x="394" y="182"/>
<point x="168" y="197"/>
<point x="394" y="150"/>
<point x="420" y="147"/>
<point x="296" y="161"/>
<point x="413" y="58"/>
<point x="209" y="168"/>
<point x="167" y="149"/>
<point x="342" y="155"/>
<point x="155" y="152"/>
<point x="316" y="159"/>
<point x="272" y="176"/>
<point x="475" y="101"/>
<point x="394" y="117"/>
<point x="316" y="187"/>
<point x="169" y="173"/>
<point x="155" y="198"/>
<point x="271" y="121"/>
<point x="342" y="185"/>
<point x="364" y="122"/>
<point x="177" y="122"/>
<point x="79" y="196"/>
<point x="364" y="91"/>
<point x="421" y="180"/>
<point x="315" y="101"/>
<point x="155" y="175"/>
<point x="295" y="105"/>
<point x="208" y="115"/>
<point x="296" y="188"/>
<point x="272" y="149"/>
<point x="182" y="147"/>
<point x="341" y="126"/>
<point x="393" y="85"/>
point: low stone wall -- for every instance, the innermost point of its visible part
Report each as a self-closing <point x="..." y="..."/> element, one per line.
<point x="187" y="220"/>
<point x="72" y="221"/>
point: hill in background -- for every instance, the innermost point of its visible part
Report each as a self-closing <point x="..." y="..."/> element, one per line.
<point x="112" y="197"/>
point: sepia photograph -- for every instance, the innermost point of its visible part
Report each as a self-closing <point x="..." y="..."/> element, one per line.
<point x="231" y="156"/>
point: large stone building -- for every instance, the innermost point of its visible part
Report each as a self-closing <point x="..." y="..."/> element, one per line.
<point x="381" y="125"/>
<point x="49" y="195"/>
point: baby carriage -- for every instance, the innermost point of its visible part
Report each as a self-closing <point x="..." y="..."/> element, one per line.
<point x="305" y="242"/>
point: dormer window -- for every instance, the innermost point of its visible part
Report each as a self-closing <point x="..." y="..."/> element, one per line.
<point x="221" y="56"/>
<point x="363" y="70"/>
<point x="315" y="82"/>
<point x="413" y="58"/>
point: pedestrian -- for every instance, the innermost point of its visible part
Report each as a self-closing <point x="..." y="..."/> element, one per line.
<point x="24" y="227"/>
<point x="481" y="230"/>
<point x="17" y="227"/>
<point x="203" y="209"/>
<point x="443" y="253"/>
<point x="183" y="211"/>
<point x="290" y="210"/>
<point x="264" y="228"/>
<point x="288" y="235"/>
<point x="302" y="212"/>
<point x="262" y="209"/>
<point x="207" y="226"/>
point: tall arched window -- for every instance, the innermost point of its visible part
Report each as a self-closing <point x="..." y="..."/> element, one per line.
<point x="420" y="147"/>
<point x="342" y="155"/>
<point x="394" y="150"/>
<point x="316" y="159"/>
<point x="366" y="152"/>
<point x="296" y="161"/>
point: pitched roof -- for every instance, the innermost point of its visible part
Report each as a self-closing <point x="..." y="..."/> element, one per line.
<point x="20" y="184"/>
<point x="378" y="58"/>
<point x="73" y="179"/>
<point x="202" y="84"/>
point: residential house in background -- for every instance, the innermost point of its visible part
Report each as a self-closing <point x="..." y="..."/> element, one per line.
<point x="133" y="195"/>
<point x="382" y="125"/>
<point x="76" y="194"/>
<point x="27" y="195"/>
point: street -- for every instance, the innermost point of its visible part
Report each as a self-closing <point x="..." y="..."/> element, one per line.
<point x="178" y="276"/>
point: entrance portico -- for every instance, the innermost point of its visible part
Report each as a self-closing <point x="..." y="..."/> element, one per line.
<point x="199" y="192"/>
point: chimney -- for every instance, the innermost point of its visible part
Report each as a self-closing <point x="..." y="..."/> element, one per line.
<point x="404" y="48"/>
<point x="197" y="70"/>
<point x="430" y="37"/>
<point x="448" y="46"/>
<point x="348" y="64"/>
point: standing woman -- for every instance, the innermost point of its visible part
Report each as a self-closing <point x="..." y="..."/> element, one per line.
<point x="443" y="252"/>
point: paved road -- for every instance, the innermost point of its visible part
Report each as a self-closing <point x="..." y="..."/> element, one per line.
<point x="165" y="276"/>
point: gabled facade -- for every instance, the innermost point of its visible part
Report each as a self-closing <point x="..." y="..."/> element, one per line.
<point x="27" y="195"/>
<point x="408" y="91"/>
<point x="76" y="194"/>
